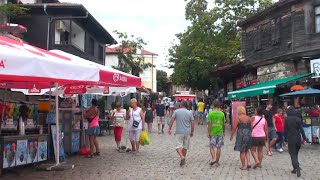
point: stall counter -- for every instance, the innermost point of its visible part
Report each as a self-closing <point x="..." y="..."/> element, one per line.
<point x="22" y="150"/>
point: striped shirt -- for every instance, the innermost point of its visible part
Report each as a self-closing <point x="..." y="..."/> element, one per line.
<point x="119" y="117"/>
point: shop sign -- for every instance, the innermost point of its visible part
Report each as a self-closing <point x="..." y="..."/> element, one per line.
<point x="79" y="89"/>
<point x="315" y="67"/>
<point x="246" y="80"/>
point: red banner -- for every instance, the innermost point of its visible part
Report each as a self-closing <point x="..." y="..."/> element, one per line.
<point x="78" y="89"/>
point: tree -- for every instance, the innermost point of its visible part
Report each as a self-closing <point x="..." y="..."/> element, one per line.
<point x="212" y="40"/>
<point x="162" y="78"/>
<point x="129" y="60"/>
<point x="11" y="11"/>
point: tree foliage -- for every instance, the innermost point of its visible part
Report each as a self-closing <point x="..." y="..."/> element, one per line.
<point x="12" y="10"/>
<point x="129" y="59"/>
<point x="212" y="40"/>
<point x="162" y="78"/>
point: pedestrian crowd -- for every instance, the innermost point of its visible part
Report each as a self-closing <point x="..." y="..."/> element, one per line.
<point x="252" y="133"/>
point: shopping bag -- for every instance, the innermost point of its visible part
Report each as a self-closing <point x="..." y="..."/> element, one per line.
<point x="142" y="137"/>
<point x="147" y="139"/>
<point x="168" y="121"/>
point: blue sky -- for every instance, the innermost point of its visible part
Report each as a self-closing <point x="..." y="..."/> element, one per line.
<point x="156" y="21"/>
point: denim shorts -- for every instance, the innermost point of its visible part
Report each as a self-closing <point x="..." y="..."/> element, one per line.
<point x="272" y="133"/>
<point x="93" y="131"/>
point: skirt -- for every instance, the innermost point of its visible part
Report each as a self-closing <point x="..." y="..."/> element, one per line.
<point x="93" y="131"/>
<point x="258" y="141"/>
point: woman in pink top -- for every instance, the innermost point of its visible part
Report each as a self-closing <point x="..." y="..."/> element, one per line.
<point x="94" y="129"/>
<point x="259" y="136"/>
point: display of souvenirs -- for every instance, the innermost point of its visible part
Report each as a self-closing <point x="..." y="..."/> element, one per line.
<point x="315" y="134"/>
<point x="22" y="152"/>
<point x="42" y="151"/>
<point x="32" y="151"/>
<point x="307" y="131"/>
<point x="9" y="154"/>
<point x="75" y="146"/>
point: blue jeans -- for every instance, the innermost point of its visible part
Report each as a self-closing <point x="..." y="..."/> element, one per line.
<point x="280" y="139"/>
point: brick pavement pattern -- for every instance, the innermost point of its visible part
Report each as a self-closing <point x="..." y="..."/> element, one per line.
<point x="159" y="160"/>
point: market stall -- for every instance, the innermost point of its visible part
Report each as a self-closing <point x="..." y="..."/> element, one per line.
<point x="310" y="113"/>
<point x="28" y="67"/>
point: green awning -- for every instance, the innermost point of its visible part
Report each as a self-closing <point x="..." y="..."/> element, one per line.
<point x="263" y="88"/>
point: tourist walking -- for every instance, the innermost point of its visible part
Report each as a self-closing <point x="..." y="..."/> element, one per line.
<point x="268" y="115"/>
<point x="259" y="136"/>
<point x="279" y="122"/>
<point x="160" y="112"/>
<point x="216" y="130"/>
<point x="93" y="130"/>
<point x="293" y="130"/>
<point x="171" y="107"/>
<point x="136" y="124"/>
<point x="118" y="116"/>
<point x="149" y="117"/>
<point x="184" y="130"/>
<point x="242" y="126"/>
<point x="201" y="107"/>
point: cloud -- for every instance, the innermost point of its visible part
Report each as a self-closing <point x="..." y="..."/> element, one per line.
<point x="155" y="21"/>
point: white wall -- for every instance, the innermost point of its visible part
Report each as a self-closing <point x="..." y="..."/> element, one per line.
<point x="28" y="1"/>
<point x="77" y="36"/>
<point x="111" y="60"/>
<point x="146" y="75"/>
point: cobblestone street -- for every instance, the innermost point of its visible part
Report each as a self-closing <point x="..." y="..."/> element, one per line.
<point x="160" y="161"/>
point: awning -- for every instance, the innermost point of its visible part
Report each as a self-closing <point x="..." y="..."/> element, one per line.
<point x="263" y="88"/>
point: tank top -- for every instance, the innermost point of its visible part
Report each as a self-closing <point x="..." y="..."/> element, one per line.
<point x="258" y="131"/>
<point x="135" y="114"/>
<point x="95" y="121"/>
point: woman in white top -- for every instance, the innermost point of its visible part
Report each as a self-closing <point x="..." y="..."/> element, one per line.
<point x="136" y="124"/>
<point x="118" y="116"/>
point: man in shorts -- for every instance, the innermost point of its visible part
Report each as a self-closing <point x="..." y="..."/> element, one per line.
<point x="161" y="113"/>
<point x="184" y="130"/>
<point x="201" y="107"/>
<point x="216" y="129"/>
<point x="272" y="139"/>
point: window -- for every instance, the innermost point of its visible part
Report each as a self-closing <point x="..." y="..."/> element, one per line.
<point x="100" y="53"/>
<point x="317" y="19"/>
<point x="275" y="30"/>
<point x="91" y="46"/>
<point x="257" y="40"/>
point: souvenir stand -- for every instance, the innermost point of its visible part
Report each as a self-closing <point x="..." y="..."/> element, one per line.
<point x="309" y="114"/>
<point x="27" y="67"/>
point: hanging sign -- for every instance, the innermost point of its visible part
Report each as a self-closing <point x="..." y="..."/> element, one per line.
<point x="315" y="67"/>
<point x="78" y="89"/>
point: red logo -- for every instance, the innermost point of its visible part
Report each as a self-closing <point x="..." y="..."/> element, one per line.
<point x="118" y="77"/>
<point x="106" y="90"/>
<point x="3" y="64"/>
<point x="81" y="89"/>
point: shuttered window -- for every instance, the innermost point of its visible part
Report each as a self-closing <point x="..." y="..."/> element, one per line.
<point x="317" y="19"/>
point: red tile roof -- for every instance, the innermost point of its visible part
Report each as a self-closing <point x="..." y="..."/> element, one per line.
<point x="115" y="50"/>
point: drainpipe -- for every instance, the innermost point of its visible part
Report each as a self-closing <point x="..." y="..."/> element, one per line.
<point x="50" y="19"/>
<point x="152" y="72"/>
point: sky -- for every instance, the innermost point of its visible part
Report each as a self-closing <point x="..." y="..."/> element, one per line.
<point x="156" y="21"/>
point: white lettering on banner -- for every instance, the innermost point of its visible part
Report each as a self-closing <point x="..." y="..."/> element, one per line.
<point x="3" y="63"/>
<point x="75" y="91"/>
<point x="265" y="91"/>
<point x="118" y="77"/>
<point x="233" y="96"/>
<point x="77" y="87"/>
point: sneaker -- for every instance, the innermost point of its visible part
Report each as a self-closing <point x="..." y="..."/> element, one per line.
<point x="298" y="172"/>
<point x="182" y="162"/>
<point x="281" y="150"/>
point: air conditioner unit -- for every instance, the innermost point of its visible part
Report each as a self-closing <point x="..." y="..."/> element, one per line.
<point x="59" y="26"/>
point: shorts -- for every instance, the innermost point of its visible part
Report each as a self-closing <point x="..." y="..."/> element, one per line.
<point x="93" y="131"/>
<point x="160" y="119"/>
<point x="200" y="114"/>
<point x="167" y="107"/>
<point x="258" y="141"/>
<point x="272" y="133"/>
<point x="216" y="141"/>
<point x="134" y="135"/>
<point x="183" y="141"/>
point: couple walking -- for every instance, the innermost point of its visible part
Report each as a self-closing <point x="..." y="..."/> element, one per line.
<point x="185" y="130"/>
<point x="252" y="133"/>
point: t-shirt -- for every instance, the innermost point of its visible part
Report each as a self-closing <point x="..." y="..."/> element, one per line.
<point x="183" y="118"/>
<point x="119" y="117"/>
<point x="217" y="120"/>
<point x="171" y="104"/>
<point x="160" y="108"/>
<point x="269" y="117"/>
<point x="200" y="106"/>
<point x="279" y="121"/>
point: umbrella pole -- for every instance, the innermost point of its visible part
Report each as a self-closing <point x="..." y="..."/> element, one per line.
<point x="57" y="128"/>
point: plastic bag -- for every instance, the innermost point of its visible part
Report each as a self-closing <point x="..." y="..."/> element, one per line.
<point x="168" y="121"/>
<point x="142" y="137"/>
<point x="147" y="140"/>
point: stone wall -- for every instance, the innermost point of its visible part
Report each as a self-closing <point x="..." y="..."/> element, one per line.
<point x="275" y="71"/>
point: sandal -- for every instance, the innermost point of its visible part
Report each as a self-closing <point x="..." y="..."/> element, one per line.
<point x="90" y="156"/>
<point x="97" y="154"/>
<point x="256" y="166"/>
<point x="249" y="167"/>
<point x="212" y="163"/>
<point x="217" y="164"/>
<point x="243" y="168"/>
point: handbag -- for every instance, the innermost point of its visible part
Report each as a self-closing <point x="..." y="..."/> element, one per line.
<point x="135" y="123"/>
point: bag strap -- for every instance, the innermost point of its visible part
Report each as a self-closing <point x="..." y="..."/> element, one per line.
<point x="257" y="123"/>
